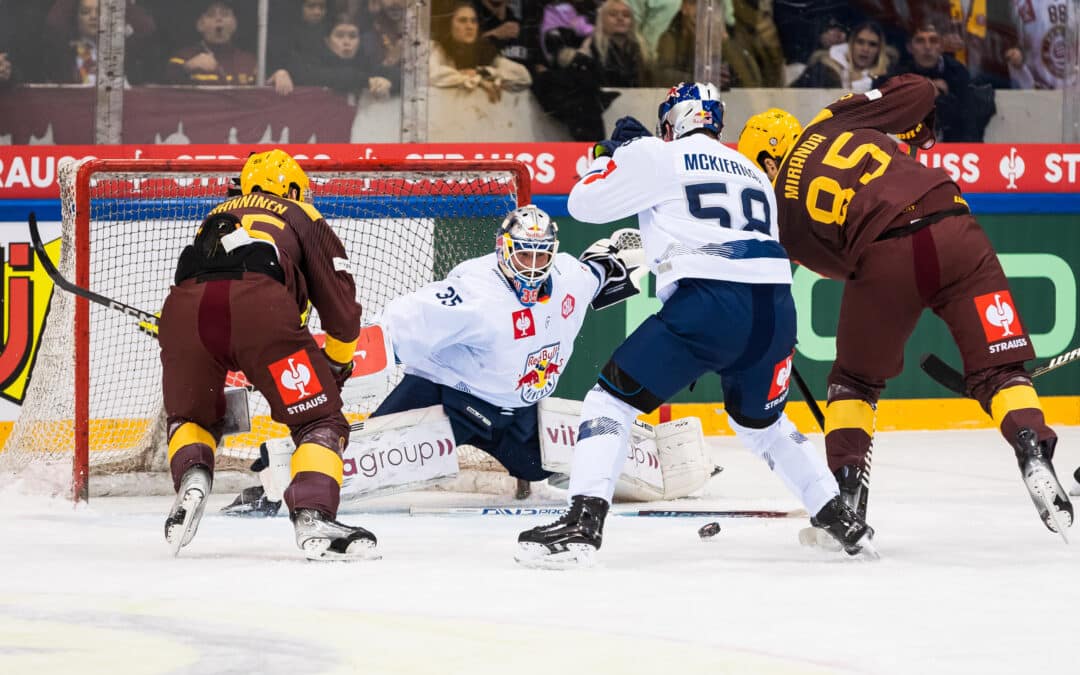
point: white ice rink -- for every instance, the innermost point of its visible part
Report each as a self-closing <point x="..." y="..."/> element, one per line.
<point x="969" y="582"/>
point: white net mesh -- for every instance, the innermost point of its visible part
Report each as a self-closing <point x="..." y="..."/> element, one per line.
<point x="402" y="228"/>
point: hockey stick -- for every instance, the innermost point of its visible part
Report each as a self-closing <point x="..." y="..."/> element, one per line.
<point x="953" y="380"/>
<point x="815" y="410"/>
<point x="811" y="402"/>
<point x="59" y="280"/>
<point x="238" y="419"/>
<point x="560" y="509"/>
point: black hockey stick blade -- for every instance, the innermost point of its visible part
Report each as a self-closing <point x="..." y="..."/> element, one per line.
<point x="59" y="280"/>
<point x="943" y="373"/>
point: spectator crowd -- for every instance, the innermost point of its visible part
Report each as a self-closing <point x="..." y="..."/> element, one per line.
<point x="570" y="54"/>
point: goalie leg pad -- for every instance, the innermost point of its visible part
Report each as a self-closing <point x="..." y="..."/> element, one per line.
<point x="663" y="462"/>
<point x="399" y="451"/>
<point x="793" y="458"/>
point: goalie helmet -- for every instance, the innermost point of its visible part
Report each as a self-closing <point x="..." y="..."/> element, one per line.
<point x="690" y="107"/>
<point x="525" y="246"/>
<point x="274" y="172"/>
<point x="769" y="134"/>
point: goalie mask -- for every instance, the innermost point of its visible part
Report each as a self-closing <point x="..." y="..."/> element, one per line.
<point x="525" y="246"/>
<point x="688" y="108"/>
<point x="274" y="172"/>
<point x="769" y="134"/>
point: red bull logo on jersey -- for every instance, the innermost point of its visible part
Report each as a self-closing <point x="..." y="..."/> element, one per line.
<point x="295" y="378"/>
<point x="541" y="370"/>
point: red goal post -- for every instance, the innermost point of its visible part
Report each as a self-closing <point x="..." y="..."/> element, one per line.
<point x="404" y="222"/>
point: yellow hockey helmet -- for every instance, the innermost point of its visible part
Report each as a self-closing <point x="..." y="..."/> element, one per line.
<point x="771" y="133"/>
<point x="275" y="172"/>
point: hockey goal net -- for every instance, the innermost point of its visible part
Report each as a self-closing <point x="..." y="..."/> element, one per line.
<point x="93" y="410"/>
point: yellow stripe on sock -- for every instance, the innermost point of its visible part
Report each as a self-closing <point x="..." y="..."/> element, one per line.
<point x="339" y="351"/>
<point x="317" y="458"/>
<point x="190" y="433"/>
<point x="1013" y="398"/>
<point x="849" y="414"/>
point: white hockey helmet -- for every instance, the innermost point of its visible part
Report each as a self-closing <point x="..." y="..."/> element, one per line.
<point x="689" y="107"/>
<point x="525" y="245"/>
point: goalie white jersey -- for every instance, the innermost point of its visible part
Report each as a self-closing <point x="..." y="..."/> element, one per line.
<point x="704" y="210"/>
<point x="470" y="332"/>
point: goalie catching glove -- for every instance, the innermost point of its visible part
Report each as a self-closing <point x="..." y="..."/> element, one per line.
<point x="619" y="262"/>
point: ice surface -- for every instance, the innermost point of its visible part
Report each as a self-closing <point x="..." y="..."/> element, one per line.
<point x="969" y="582"/>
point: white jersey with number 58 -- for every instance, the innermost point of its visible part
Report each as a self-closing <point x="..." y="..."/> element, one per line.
<point x="704" y="210"/>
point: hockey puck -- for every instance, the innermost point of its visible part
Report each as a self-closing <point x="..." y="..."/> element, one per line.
<point x="709" y="530"/>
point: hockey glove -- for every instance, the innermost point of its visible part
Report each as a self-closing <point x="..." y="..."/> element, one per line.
<point x="627" y="129"/>
<point x="922" y="134"/>
<point x="603" y="149"/>
<point x="619" y="263"/>
<point x="342" y="371"/>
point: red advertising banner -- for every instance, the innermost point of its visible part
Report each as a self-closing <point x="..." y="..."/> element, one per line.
<point x="29" y="171"/>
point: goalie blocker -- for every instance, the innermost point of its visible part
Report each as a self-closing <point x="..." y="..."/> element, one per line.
<point x="415" y="449"/>
<point x="619" y="262"/>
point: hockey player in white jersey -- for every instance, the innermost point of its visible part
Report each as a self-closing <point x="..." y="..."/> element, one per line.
<point x="491" y="340"/>
<point x="707" y="217"/>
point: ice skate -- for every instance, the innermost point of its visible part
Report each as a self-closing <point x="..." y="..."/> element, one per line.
<point x="187" y="509"/>
<point x="321" y="538"/>
<point x="571" y="541"/>
<point x="252" y="503"/>
<point x="1049" y="497"/>
<point x="1074" y="489"/>
<point x="849" y="480"/>
<point x="845" y="527"/>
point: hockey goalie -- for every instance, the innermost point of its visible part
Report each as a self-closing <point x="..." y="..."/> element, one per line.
<point x="482" y="351"/>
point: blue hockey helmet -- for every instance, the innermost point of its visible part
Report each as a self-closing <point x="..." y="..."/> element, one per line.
<point x="689" y="107"/>
<point x="525" y="245"/>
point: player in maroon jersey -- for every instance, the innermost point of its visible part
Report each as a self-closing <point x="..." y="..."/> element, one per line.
<point x="853" y="206"/>
<point x="240" y="289"/>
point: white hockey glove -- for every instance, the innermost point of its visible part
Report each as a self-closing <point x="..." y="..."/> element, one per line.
<point x="620" y="262"/>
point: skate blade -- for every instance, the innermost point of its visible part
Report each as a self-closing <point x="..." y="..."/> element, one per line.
<point x="318" y="550"/>
<point x="1044" y="490"/>
<point x="538" y="556"/>
<point x="815" y="537"/>
<point x="181" y="534"/>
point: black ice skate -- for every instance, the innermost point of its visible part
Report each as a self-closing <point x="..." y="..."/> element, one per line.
<point x="1075" y="489"/>
<point x="571" y="541"/>
<point x="1049" y="497"/>
<point x="252" y="503"/>
<point x="321" y="538"/>
<point x="187" y="509"/>
<point x="849" y="479"/>
<point x="845" y="526"/>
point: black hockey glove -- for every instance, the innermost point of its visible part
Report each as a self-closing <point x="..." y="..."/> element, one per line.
<point x="342" y="371"/>
<point x="626" y="129"/>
